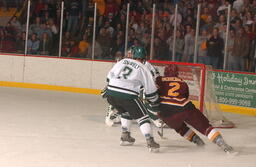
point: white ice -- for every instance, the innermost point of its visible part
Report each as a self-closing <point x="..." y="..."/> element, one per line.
<point x="40" y="128"/>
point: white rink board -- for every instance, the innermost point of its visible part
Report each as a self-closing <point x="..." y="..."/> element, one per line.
<point x="101" y="70"/>
<point x="54" y="71"/>
<point x="11" y="68"/>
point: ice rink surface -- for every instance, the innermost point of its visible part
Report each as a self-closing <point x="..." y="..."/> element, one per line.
<point x="41" y="128"/>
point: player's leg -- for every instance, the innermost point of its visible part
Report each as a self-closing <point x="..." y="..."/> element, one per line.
<point x="126" y="121"/>
<point x="197" y="120"/>
<point x="138" y="112"/>
<point x="176" y="122"/>
<point x="134" y="109"/>
<point x="190" y="135"/>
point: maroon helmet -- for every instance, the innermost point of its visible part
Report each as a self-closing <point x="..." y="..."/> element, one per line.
<point x="171" y="70"/>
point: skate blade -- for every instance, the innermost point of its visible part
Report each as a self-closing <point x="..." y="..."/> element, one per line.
<point x="153" y="150"/>
<point x="232" y="153"/>
<point x="200" y="145"/>
<point x="109" y="123"/>
<point x="126" y="143"/>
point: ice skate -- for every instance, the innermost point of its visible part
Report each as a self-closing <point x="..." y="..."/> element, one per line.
<point x="224" y="146"/>
<point x="198" y="141"/>
<point x="152" y="145"/>
<point x="126" y="139"/>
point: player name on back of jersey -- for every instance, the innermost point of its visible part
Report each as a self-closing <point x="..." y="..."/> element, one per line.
<point x="166" y="79"/>
<point x="131" y="63"/>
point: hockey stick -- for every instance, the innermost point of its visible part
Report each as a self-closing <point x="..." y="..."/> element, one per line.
<point x="161" y="131"/>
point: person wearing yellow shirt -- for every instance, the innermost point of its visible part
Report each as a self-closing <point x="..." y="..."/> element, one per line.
<point x="83" y="47"/>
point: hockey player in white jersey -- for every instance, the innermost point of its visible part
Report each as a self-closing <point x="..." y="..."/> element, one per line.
<point x="125" y="80"/>
<point x="112" y="117"/>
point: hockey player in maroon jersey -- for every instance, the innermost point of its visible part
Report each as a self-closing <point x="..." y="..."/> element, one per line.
<point x="176" y="110"/>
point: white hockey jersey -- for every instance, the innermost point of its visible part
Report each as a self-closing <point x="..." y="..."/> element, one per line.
<point x="127" y="77"/>
<point x="154" y="71"/>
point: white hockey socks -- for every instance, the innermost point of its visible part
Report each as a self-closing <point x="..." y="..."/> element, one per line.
<point x="126" y="125"/>
<point x="146" y="130"/>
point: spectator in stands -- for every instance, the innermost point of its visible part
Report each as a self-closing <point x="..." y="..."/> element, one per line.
<point x="238" y="5"/>
<point x="237" y="25"/>
<point x="118" y="46"/>
<point x="102" y="38"/>
<point x="44" y="28"/>
<point x="222" y="9"/>
<point x="221" y="25"/>
<point x="213" y="9"/>
<point x="140" y="8"/>
<point x="230" y="47"/>
<point x="53" y="5"/>
<point x="33" y="44"/>
<point x="118" y="56"/>
<point x="16" y="24"/>
<point x="73" y="14"/>
<point x="161" y="50"/>
<point x="111" y="7"/>
<point x="205" y="14"/>
<point x="66" y="42"/>
<point x="209" y="24"/>
<point x="248" y="19"/>
<point x="109" y="28"/>
<point x="179" y="46"/>
<point x="251" y="36"/>
<point x="38" y="7"/>
<point x="234" y="16"/>
<point x="240" y="50"/>
<point x="73" y="49"/>
<point x="45" y="46"/>
<point x="6" y="4"/>
<point x="45" y="17"/>
<point x="172" y="18"/>
<point x="55" y="34"/>
<point x="141" y="29"/>
<point x="36" y="26"/>
<point x="145" y="40"/>
<point x="202" y="49"/>
<point x="10" y="29"/>
<point x="97" y="51"/>
<point x="215" y="46"/>
<point x="44" y="10"/>
<point x="83" y="47"/>
<point x="253" y="7"/>
<point x="20" y="43"/>
<point x="7" y="40"/>
<point x="2" y="39"/>
<point x="189" y="46"/>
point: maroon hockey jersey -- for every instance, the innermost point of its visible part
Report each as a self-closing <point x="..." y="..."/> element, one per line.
<point x="173" y="91"/>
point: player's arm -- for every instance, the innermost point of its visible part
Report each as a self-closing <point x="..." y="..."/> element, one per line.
<point x="151" y="93"/>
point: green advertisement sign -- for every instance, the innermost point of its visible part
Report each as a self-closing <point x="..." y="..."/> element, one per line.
<point x="235" y="88"/>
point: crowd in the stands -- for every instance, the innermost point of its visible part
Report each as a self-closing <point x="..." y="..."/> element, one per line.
<point x="44" y="29"/>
